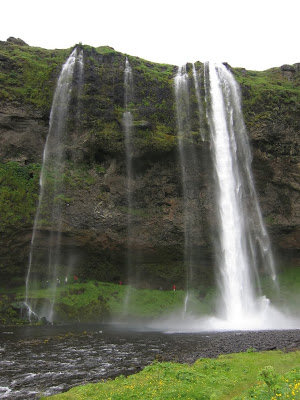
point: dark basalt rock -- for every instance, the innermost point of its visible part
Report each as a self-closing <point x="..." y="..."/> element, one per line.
<point x="17" y="41"/>
<point x="94" y="228"/>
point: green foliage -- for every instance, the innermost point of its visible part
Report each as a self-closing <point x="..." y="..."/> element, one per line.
<point x="94" y="300"/>
<point x="269" y="96"/>
<point x="154" y="94"/>
<point x="9" y="315"/>
<point x="220" y="378"/>
<point x="94" y="311"/>
<point x="251" y="350"/>
<point x="28" y="74"/>
<point x="151" y="105"/>
<point x="106" y="50"/>
<point x="59" y="184"/>
<point x="269" y="376"/>
<point x="288" y="295"/>
<point x="100" y="169"/>
<point x="275" y="386"/>
<point x="18" y="194"/>
<point x="62" y="199"/>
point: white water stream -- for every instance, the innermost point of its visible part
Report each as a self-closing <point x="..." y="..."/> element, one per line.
<point x="189" y="166"/>
<point x="196" y="78"/>
<point x="242" y="235"/>
<point x="128" y="132"/>
<point x="49" y="209"/>
<point x="242" y="245"/>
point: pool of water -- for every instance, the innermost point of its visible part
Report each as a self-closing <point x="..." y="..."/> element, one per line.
<point x="46" y="360"/>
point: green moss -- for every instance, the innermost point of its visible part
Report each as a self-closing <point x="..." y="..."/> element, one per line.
<point x="62" y="199"/>
<point x="72" y="175"/>
<point x="29" y="74"/>
<point x="269" y="95"/>
<point x="18" y="194"/>
<point x="287" y="295"/>
<point x="10" y="311"/>
<point x="107" y="299"/>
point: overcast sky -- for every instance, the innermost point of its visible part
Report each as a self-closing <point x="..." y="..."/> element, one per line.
<point x="256" y="34"/>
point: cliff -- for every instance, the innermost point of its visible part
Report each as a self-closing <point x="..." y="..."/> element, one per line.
<point x="95" y="210"/>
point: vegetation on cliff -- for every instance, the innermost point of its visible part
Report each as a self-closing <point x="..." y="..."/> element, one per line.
<point x="28" y="75"/>
<point x="271" y="104"/>
<point x="18" y="195"/>
<point x="103" y="105"/>
<point x="95" y="193"/>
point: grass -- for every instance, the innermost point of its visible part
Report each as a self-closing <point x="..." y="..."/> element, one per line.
<point x="76" y="302"/>
<point x="73" y="300"/>
<point x="269" y="96"/>
<point x="274" y="386"/>
<point x="227" y="377"/>
<point x="288" y="294"/>
<point x="29" y="74"/>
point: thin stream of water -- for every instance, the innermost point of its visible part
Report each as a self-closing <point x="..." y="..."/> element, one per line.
<point x="188" y="164"/>
<point x="198" y="96"/>
<point x="128" y="132"/>
<point x="51" y="187"/>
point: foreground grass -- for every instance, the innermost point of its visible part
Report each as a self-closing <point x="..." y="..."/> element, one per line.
<point x="223" y="378"/>
<point x="274" y="386"/>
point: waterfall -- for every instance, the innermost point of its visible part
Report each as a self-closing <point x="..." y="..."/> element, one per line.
<point x="49" y="209"/>
<point x="188" y="164"/>
<point x="128" y="131"/>
<point x="198" y="96"/>
<point x="243" y="244"/>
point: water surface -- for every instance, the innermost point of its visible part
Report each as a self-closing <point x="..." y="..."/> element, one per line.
<point x="47" y="360"/>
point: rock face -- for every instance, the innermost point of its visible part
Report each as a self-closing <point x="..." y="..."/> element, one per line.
<point x="272" y="113"/>
<point x="22" y="135"/>
<point x="95" y="210"/>
<point x="17" y="41"/>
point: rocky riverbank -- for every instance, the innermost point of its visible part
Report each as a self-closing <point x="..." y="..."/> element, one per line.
<point x="53" y="359"/>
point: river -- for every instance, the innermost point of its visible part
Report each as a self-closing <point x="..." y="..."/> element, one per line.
<point x="45" y="360"/>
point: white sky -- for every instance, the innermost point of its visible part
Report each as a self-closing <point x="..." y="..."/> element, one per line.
<point x="255" y="34"/>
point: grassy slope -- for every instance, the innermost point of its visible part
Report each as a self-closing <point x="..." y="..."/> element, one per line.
<point x="221" y="378"/>
<point x="28" y="74"/>
<point x="268" y="94"/>
<point x="92" y="301"/>
<point x="154" y="303"/>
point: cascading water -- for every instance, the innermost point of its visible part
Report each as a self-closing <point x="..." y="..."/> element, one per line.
<point x="243" y="244"/>
<point x="243" y="247"/>
<point x="128" y="130"/>
<point x="198" y="95"/>
<point x="49" y="212"/>
<point x="188" y="163"/>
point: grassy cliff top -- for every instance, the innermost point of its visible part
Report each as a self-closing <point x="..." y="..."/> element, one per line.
<point x="28" y="76"/>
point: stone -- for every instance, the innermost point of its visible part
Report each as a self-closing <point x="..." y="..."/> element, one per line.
<point x="17" y="41"/>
